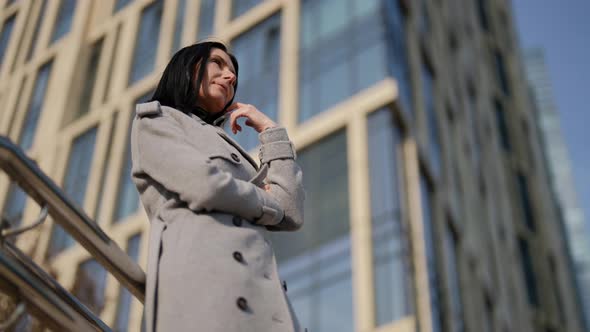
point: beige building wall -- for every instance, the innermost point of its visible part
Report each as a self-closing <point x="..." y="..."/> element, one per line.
<point x="479" y="200"/>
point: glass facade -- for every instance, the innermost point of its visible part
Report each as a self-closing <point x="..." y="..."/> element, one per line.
<point x="259" y="48"/>
<point x="120" y="4"/>
<point x="14" y="205"/>
<point x="146" y="44"/>
<point x="431" y="117"/>
<point x="178" y="25"/>
<point x="89" y="80"/>
<point x="239" y="7"/>
<point x="391" y="254"/>
<point x="90" y="284"/>
<point x="431" y="259"/>
<point x="125" y="297"/>
<point x="35" y="106"/>
<point x="526" y="205"/>
<point x="74" y="185"/>
<point x="66" y="11"/>
<point x="503" y="134"/>
<point x="5" y="34"/>
<point x="528" y="272"/>
<point x="34" y="41"/>
<point x="453" y="279"/>
<point x="343" y="50"/>
<point x="316" y="261"/>
<point x="501" y="73"/>
<point x="206" y="19"/>
<point x="127" y="197"/>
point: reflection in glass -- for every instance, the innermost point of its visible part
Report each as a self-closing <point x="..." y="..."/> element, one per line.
<point x="125" y="297"/>
<point x="315" y="261"/>
<point x="14" y="205"/>
<point x="178" y="25"/>
<point x="433" y="278"/>
<point x="342" y="51"/>
<point x="146" y="44"/>
<point x="391" y="256"/>
<point x="5" y="34"/>
<point x="206" y="16"/>
<point x="75" y="185"/>
<point x="127" y="201"/>
<point x="89" y="286"/>
<point x="239" y="7"/>
<point x="64" y="19"/>
<point x="35" y="105"/>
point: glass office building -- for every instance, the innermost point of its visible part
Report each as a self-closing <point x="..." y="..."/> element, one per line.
<point x="426" y="206"/>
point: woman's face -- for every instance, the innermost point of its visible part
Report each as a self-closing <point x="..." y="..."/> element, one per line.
<point x="219" y="79"/>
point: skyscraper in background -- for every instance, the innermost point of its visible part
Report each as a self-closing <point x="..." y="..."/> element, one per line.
<point x="426" y="206"/>
<point x="562" y="182"/>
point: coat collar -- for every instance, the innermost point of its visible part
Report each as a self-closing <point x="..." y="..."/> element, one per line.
<point x="218" y="126"/>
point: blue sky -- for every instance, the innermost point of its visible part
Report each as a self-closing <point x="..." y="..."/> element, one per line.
<point x="562" y="29"/>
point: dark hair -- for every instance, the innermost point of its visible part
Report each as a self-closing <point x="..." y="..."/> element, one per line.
<point x="179" y="89"/>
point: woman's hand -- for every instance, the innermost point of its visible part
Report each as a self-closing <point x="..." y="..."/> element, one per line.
<point x="254" y="118"/>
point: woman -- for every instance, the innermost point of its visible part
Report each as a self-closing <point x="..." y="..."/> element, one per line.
<point x="210" y="267"/>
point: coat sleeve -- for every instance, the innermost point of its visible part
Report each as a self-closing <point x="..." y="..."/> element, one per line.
<point x="284" y="177"/>
<point x="164" y="154"/>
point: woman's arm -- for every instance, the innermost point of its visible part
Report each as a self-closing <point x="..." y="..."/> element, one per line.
<point x="284" y="178"/>
<point x="161" y="151"/>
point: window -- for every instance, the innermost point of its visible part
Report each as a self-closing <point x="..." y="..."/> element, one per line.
<point x="488" y="322"/>
<point x="35" y="105"/>
<point x="483" y="15"/>
<point x="34" y="40"/>
<point x="98" y="207"/>
<point x="120" y="4"/>
<point x="178" y="25"/>
<point x="502" y="126"/>
<point x="528" y="272"/>
<point x="111" y="60"/>
<point x="146" y="44"/>
<point x="525" y="201"/>
<point x="431" y="259"/>
<point x="127" y="196"/>
<point x="343" y="50"/>
<point x="397" y="52"/>
<point x="501" y="74"/>
<point x="75" y="185"/>
<point x="89" y="286"/>
<point x="474" y="124"/>
<point x="316" y="260"/>
<point x="125" y="297"/>
<point x="391" y="255"/>
<point x="5" y="35"/>
<point x="89" y="80"/>
<point x="64" y="19"/>
<point x="14" y="205"/>
<point x="206" y="18"/>
<point x="239" y="7"/>
<point x="431" y="118"/>
<point x="556" y="289"/>
<point x="453" y="279"/>
<point x="259" y="48"/>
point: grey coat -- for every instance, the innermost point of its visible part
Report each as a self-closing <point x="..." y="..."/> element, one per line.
<point x="210" y="267"/>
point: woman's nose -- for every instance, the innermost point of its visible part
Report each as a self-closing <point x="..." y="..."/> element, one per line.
<point x="230" y="77"/>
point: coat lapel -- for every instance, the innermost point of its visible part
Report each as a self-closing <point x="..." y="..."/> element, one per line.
<point x="235" y="144"/>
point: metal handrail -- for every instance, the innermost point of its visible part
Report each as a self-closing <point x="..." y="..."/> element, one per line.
<point x="64" y="211"/>
<point x="21" y="278"/>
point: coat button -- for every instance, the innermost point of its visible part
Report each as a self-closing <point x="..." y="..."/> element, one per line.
<point x="238" y="256"/>
<point x="284" y="285"/>
<point x="235" y="157"/>
<point x="237" y="221"/>
<point x="242" y="303"/>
